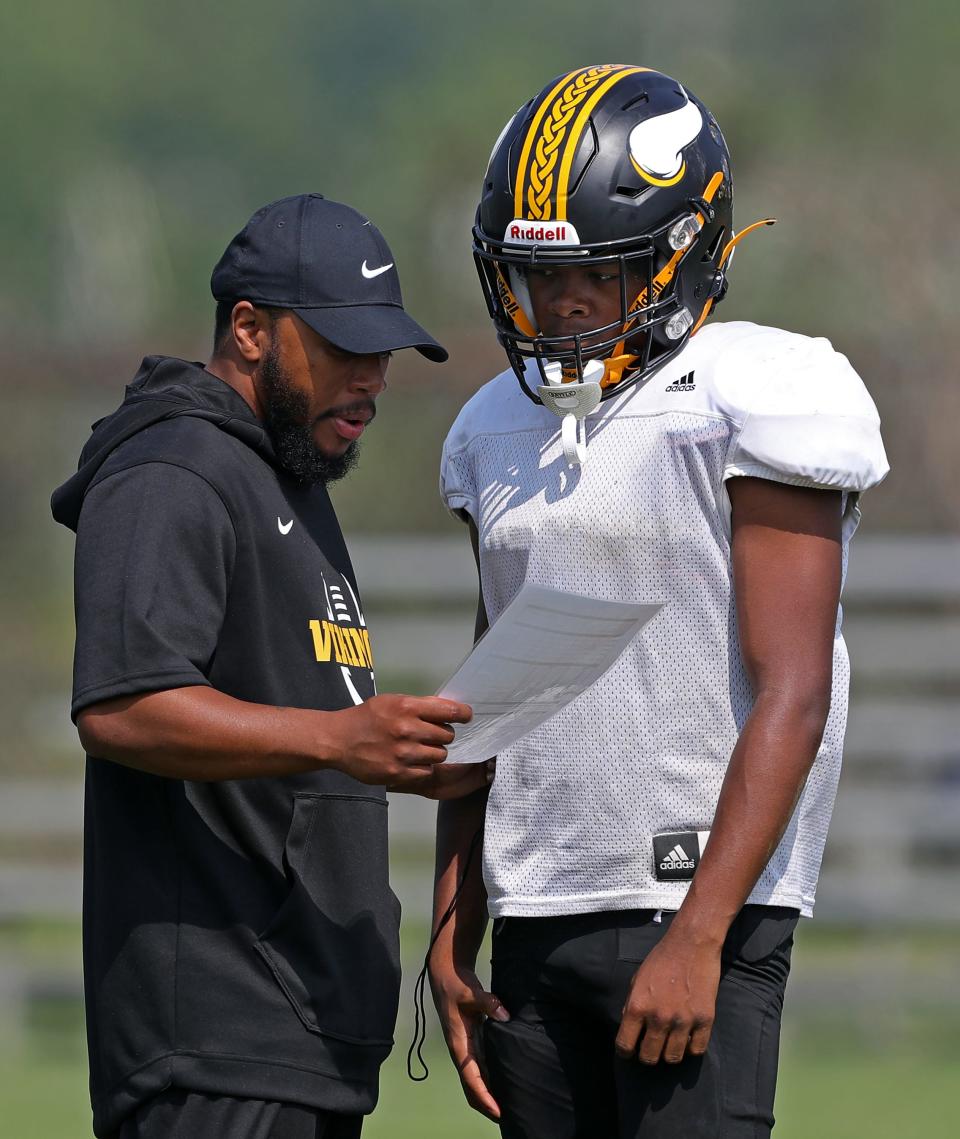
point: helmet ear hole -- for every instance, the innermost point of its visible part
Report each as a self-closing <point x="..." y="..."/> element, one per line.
<point x="712" y="254"/>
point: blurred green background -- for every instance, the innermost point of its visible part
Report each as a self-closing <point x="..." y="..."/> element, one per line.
<point x="138" y="138"/>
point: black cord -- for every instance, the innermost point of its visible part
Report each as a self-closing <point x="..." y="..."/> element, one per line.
<point x="419" y="1008"/>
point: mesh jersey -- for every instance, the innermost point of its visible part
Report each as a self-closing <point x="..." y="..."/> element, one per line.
<point x="575" y="804"/>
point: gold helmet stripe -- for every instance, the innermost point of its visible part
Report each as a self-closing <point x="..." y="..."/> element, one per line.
<point x="540" y="192"/>
<point x="576" y="132"/>
<point x="531" y="135"/>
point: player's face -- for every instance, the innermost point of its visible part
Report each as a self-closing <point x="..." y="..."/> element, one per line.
<point x="570" y="299"/>
<point x="318" y="399"/>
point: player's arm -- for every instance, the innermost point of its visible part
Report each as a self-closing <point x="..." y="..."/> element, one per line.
<point x="199" y="733"/>
<point x="786" y="550"/>
<point x="461" y="1000"/>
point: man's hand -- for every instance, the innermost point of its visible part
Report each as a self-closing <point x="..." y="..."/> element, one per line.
<point x="398" y="740"/>
<point x="671" y="1006"/>
<point x="463" y="1005"/>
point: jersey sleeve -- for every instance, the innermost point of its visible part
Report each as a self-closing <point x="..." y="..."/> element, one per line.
<point x="806" y="417"/>
<point x="457" y="484"/>
<point x="154" y="556"/>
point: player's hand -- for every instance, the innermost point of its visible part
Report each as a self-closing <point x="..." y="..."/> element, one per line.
<point x="398" y="740"/>
<point x="671" y="1006"/>
<point x="463" y="1005"/>
<point x="451" y="780"/>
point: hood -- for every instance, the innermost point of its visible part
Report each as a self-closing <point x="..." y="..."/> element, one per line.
<point x="163" y="388"/>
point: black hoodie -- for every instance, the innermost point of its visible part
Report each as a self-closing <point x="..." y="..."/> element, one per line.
<point x="240" y="937"/>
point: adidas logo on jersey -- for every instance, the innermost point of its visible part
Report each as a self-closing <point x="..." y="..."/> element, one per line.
<point x="676" y="854"/>
<point x="684" y="384"/>
<point x="677" y="859"/>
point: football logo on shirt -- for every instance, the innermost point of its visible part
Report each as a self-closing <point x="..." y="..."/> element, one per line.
<point x="341" y="638"/>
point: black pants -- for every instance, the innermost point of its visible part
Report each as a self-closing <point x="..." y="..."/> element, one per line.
<point x="190" y="1115"/>
<point x="564" y="981"/>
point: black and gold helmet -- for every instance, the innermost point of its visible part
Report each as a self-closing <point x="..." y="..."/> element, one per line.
<point x="607" y="165"/>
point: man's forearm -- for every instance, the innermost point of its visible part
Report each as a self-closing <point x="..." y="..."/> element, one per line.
<point x="786" y="573"/>
<point x="459" y="831"/>
<point x="458" y="824"/>
<point x="198" y="733"/>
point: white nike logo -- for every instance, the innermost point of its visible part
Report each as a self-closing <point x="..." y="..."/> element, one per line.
<point x="284" y="527"/>
<point x="371" y="273"/>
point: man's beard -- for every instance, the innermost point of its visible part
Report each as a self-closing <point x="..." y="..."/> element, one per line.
<point x="290" y="429"/>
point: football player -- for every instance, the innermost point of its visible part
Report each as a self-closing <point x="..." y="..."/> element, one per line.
<point x="647" y="852"/>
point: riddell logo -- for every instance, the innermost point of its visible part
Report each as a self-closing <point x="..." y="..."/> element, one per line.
<point x="524" y="232"/>
<point x="538" y="233"/>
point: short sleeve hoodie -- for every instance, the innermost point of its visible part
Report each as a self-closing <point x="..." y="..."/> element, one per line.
<point x="240" y="937"/>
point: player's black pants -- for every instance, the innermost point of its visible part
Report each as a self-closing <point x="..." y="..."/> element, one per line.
<point x="564" y="981"/>
<point x="177" y="1114"/>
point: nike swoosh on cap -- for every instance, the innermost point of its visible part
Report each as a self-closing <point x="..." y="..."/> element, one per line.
<point x="284" y="527"/>
<point x="371" y="273"/>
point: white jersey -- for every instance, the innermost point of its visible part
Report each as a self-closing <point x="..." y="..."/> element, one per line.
<point x="576" y="803"/>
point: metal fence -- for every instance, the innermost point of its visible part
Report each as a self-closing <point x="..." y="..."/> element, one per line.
<point x="894" y="847"/>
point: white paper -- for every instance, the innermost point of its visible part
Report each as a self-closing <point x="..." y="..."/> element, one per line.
<point x="544" y="650"/>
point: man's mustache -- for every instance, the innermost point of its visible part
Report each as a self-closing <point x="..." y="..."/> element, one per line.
<point x="363" y="409"/>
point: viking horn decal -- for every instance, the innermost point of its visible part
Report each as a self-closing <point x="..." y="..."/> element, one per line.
<point x="656" y="145"/>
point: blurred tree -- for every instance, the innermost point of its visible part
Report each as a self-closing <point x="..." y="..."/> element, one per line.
<point x="138" y="138"/>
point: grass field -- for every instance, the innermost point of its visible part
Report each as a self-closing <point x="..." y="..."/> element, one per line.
<point x="865" y="1056"/>
<point x="862" y="1097"/>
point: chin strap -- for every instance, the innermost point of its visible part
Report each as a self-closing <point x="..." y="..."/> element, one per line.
<point x="724" y="256"/>
<point x="615" y="366"/>
<point x="618" y="363"/>
<point x="738" y="237"/>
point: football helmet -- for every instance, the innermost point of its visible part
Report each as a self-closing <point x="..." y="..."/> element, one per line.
<point x="611" y="165"/>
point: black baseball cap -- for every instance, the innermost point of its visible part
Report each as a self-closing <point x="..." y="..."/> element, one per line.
<point x="331" y="266"/>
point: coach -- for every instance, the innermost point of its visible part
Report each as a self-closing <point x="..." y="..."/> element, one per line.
<point x="240" y="936"/>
